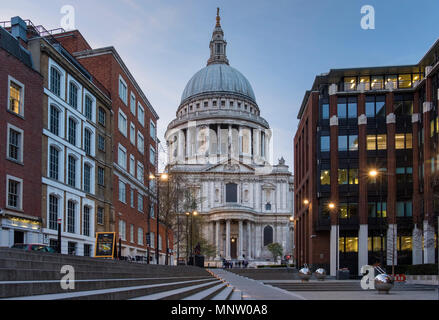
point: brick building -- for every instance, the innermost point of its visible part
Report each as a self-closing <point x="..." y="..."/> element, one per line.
<point x="20" y="117"/>
<point x="366" y="165"/>
<point x="134" y="147"/>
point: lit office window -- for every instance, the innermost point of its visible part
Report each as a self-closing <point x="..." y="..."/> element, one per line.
<point x="325" y="177"/>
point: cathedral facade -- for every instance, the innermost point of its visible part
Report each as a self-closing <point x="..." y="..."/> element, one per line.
<point x="221" y="144"/>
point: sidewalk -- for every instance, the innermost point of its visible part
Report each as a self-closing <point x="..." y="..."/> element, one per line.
<point x="253" y="289"/>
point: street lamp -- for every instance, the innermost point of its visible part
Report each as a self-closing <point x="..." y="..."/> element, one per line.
<point x="306" y="202"/>
<point x="374" y="173"/>
<point x="162" y="177"/>
<point x="191" y="214"/>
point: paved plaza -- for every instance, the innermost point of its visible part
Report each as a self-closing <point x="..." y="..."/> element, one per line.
<point x="265" y="290"/>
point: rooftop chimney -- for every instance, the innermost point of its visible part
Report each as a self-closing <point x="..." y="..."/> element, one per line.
<point x="19" y="28"/>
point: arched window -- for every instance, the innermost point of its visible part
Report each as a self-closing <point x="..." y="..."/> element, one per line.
<point x="87" y="141"/>
<point x="268" y="206"/>
<point x="71" y="208"/>
<point x="87" y="178"/>
<point x="53" y="162"/>
<point x="232" y="192"/>
<point x="268" y="235"/>
<point x="71" y="171"/>
<point x="86" y="219"/>
<point x="73" y="95"/>
<point x="53" y="212"/>
<point x="88" y="108"/>
<point x="54" y="120"/>
<point x="72" y="131"/>
<point x="55" y="81"/>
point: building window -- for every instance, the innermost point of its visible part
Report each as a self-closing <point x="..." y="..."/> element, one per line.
<point x="343" y="143"/>
<point x="123" y="91"/>
<point x="123" y="123"/>
<point x="140" y="236"/>
<point x="122" y="230"/>
<point x="132" y="198"/>
<point x="350" y="83"/>
<point x="133" y="104"/>
<point x="71" y="175"/>
<point x="73" y="95"/>
<point x="15" y="143"/>
<point x="377" y="83"/>
<point x="86" y="218"/>
<point x="140" y="202"/>
<point x="53" y="163"/>
<point x="268" y="235"/>
<point x="403" y="140"/>
<point x="72" y="131"/>
<point x="88" y="108"/>
<point x="132" y="165"/>
<point x="140" y="176"/>
<point x="87" y="178"/>
<point x="14" y="193"/>
<point x="403" y="108"/>
<point x="375" y="106"/>
<point x="348" y="244"/>
<point x="152" y="131"/>
<point x="347" y="176"/>
<point x="353" y="142"/>
<point x="55" y="81"/>
<point x="101" y="176"/>
<point x="15" y="98"/>
<point x="71" y="248"/>
<point x="151" y="211"/>
<point x="141" y="115"/>
<point x="133" y="134"/>
<point x="377" y="209"/>
<point x="132" y="233"/>
<point x="347" y="108"/>
<point x="122" y="192"/>
<point x="53" y="212"/>
<point x="54" y="120"/>
<point x="325" y="177"/>
<point x="348" y="210"/>
<point x="152" y="240"/>
<point x="268" y="206"/>
<point x="100" y="215"/>
<point x="404" y="209"/>
<point x="101" y="116"/>
<point x="325" y="111"/>
<point x="140" y="143"/>
<point x="377" y="142"/>
<point x="87" y="141"/>
<point x="101" y="142"/>
<point x="71" y="206"/>
<point x="325" y="145"/>
<point x="231" y="192"/>
<point x="152" y="155"/>
<point x="122" y="157"/>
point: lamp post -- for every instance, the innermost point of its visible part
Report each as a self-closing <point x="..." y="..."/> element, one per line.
<point x="191" y="214"/>
<point x="373" y="174"/>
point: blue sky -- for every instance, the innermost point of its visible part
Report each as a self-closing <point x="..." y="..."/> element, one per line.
<point x="279" y="45"/>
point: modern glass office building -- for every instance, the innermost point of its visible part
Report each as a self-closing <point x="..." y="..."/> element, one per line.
<point x="366" y="164"/>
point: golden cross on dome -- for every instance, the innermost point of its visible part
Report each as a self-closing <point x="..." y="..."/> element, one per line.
<point x="218" y="17"/>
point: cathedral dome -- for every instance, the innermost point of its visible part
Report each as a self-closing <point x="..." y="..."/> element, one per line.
<point x="218" y="78"/>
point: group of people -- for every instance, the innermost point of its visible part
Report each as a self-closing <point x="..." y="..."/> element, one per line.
<point x="230" y="264"/>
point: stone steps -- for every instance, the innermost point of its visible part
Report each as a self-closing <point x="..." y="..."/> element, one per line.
<point x="36" y="276"/>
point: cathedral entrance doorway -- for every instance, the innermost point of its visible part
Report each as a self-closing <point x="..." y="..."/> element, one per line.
<point x="233" y="248"/>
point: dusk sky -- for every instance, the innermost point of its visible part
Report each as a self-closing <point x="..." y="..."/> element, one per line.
<point x="280" y="46"/>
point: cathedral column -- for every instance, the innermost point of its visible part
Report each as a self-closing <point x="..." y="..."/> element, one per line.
<point x="188" y="142"/>
<point x="240" y="141"/>
<point x="230" y="142"/>
<point x="217" y="239"/>
<point x="227" y="253"/>
<point x="241" y="238"/>
<point x="249" y="240"/>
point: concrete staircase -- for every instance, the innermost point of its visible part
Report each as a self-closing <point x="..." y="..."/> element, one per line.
<point x="36" y="276"/>
<point x="267" y="273"/>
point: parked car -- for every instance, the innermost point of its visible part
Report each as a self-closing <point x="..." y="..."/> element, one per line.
<point x="34" y="247"/>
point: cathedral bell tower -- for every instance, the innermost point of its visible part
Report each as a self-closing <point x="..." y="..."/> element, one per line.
<point x="218" y="44"/>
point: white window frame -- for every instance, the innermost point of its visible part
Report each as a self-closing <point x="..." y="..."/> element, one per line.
<point x="20" y="193"/>
<point x="133" y="103"/>
<point x="93" y="105"/>
<point x="140" y="112"/>
<point x="122" y="229"/>
<point x="123" y="98"/>
<point x="20" y="151"/>
<point x="62" y="81"/>
<point x="140" y="142"/>
<point x="151" y="148"/>
<point x="140" y="197"/>
<point x="140" y="236"/>
<point x="22" y="88"/>
<point x="132" y="233"/>
<point x="92" y="176"/>
<point x="79" y="96"/>
<point x="132" y="165"/>
<point x="140" y="177"/>
<point x="119" y="153"/>
<point x="152" y="126"/>
<point x="123" y="128"/>
<point x="133" y="133"/>
<point x="124" y="198"/>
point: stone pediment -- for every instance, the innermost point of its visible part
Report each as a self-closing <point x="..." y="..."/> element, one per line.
<point x="231" y="167"/>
